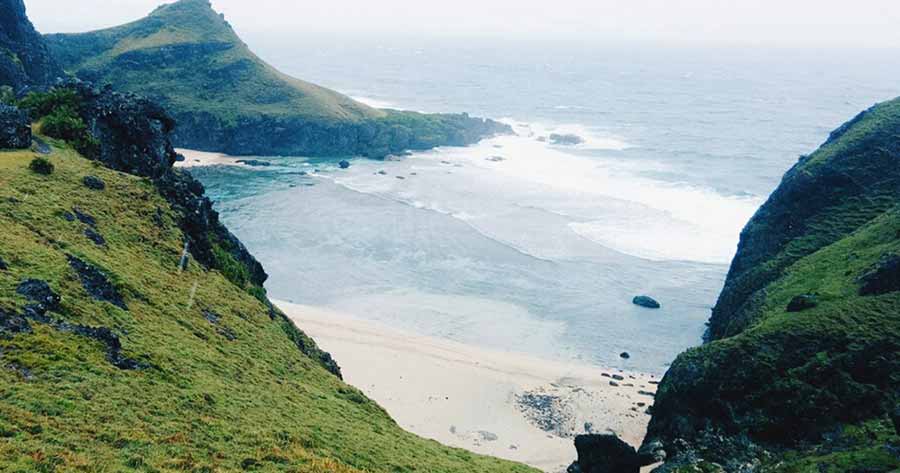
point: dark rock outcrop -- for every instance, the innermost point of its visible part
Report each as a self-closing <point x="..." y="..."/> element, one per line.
<point x="802" y="302"/>
<point x="25" y="59"/>
<point x="42" y="299"/>
<point x="601" y="453"/>
<point x="94" y="182"/>
<point x="646" y="301"/>
<point x="883" y="278"/>
<point x="3" y="265"/>
<point x="15" y="128"/>
<point x="96" y="283"/>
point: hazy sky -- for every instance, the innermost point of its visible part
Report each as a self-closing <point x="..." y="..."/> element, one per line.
<point x="871" y="23"/>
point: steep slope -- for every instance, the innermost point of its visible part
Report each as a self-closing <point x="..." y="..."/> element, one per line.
<point x="119" y="353"/>
<point x="187" y="57"/>
<point x="24" y="58"/>
<point x="802" y="368"/>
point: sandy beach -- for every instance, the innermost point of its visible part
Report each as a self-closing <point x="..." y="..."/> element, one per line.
<point x="496" y="403"/>
<point x="194" y="158"/>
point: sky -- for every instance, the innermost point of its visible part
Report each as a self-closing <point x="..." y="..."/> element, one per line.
<point x="785" y="23"/>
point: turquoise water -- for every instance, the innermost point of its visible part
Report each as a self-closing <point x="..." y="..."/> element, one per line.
<point x="521" y="245"/>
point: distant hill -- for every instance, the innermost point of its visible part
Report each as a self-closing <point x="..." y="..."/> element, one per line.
<point x="225" y="98"/>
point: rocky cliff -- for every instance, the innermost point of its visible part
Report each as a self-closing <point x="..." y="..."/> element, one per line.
<point x="801" y="368"/>
<point x="24" y="58"/>
<point x="225" y="98"/>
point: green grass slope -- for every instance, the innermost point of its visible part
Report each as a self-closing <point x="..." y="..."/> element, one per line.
<point x="186" y="57"/>
<point x="198" y="377"/>
<point x="802" y="373"/>
<point x="189" y="55"/>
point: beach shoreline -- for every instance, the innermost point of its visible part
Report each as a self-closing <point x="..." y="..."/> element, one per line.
<point x="502" y="404"/>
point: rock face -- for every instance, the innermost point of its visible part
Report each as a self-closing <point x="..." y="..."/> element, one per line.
<point x="24" y="58"/>
<point x="15" y="128"/>
<point x="768" y="381"/>
<point x="601" y="453"/>
<point x="646" y="301"/>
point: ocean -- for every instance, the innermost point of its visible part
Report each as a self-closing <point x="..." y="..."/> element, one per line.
<point x="523" y="245"/>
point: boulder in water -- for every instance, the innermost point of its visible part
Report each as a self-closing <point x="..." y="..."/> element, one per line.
<point x="646" y="301"/>
<point x="566" y="139"/>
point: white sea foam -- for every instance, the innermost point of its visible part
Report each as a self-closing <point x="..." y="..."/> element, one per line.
<point x="551" y="203"/>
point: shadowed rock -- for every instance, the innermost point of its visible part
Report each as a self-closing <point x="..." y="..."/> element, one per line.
<point x="94" y="182"/>
<point x="15" y="128"/>
<point x="802" y="302"/>
<point x="882" y="279"/>
<point x="96" y="283"/>
<point x="603" y="453"/>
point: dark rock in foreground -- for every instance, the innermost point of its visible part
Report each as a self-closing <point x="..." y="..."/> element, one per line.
<point x="646" y="301"/>
<point x="344" y="164"/>
<point x="15" y="128"/>
<point x="600" y="453"/>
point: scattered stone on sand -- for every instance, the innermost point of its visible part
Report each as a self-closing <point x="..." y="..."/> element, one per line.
<point x="618" y="377"/>
<point x="488" y="436"/>
<point x="400" y="177"/>
<point x="625" y="355"/>
<point x="495" y="159"/>
<point x="646" y="393"/>
<point x="94" y="183"/>
<point x="646" y="301"/>
<point x="382" y="172"/>
<point x="614" y="384"/>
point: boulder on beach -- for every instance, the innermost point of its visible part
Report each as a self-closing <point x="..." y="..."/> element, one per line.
<point x="566" y="139"/>
<point x="625" y="355"/>
<point x="604" y="453"/>
<point x="646" y="301"/>
<point x="344" y="164"/>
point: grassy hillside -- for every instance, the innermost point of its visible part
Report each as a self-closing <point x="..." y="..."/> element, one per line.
<point x="802" y="372"/>
<point x="192" y="374"/>
<point x="189" y="56"/>
<point x="186" y="57"/>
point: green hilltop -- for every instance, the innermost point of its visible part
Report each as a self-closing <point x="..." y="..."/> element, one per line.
<point x="187" y="57"/>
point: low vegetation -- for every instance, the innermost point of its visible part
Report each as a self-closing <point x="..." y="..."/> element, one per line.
<point x="204" y="378"/>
